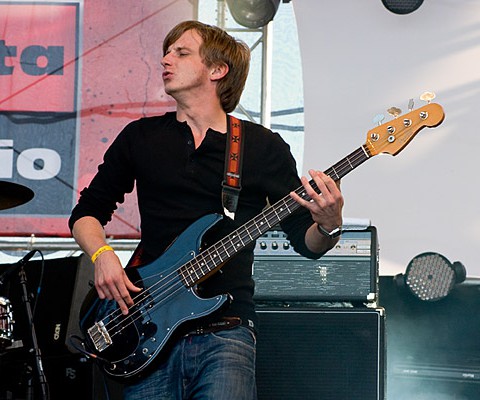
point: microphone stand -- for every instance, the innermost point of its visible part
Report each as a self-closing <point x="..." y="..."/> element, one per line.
<point x="38" y="358"/>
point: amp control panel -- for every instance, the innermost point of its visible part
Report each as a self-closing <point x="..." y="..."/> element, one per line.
<point x="351" y="243"/>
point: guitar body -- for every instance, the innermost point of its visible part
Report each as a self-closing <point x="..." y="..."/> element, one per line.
<point x="133" y="341"/>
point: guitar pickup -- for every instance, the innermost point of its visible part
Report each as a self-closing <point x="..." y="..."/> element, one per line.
<point x="99" y="336"/>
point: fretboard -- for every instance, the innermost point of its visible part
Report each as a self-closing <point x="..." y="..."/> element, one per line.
<point x="217" y="254"/>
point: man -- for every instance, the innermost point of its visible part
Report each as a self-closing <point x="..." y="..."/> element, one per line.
<point x="177" y="163"/>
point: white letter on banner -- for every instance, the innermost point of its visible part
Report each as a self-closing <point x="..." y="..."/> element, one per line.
<point x="30" y="166"/>
<point x="6" y="158"/>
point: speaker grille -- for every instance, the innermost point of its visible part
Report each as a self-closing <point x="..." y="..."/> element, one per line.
<point x="320" y="354"/>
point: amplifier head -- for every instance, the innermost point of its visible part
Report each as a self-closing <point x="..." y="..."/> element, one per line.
<point x="348" y="272"/>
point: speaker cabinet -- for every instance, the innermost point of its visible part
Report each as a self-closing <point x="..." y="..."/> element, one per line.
<point x="433" y="347"/>
<point x="51" y="286"/>
<point x="320" y="353"/>
<point x="58" y="287"/>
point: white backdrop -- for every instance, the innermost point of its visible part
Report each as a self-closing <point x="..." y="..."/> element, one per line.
<point x="359" y="59"/>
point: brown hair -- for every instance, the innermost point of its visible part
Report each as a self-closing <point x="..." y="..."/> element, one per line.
<point x="218" y="48"/>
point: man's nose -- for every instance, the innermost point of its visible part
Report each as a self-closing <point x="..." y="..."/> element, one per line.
<point x="165" y="60"/>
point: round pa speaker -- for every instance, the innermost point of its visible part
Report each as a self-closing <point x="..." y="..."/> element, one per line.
<point x="402" y="6"/>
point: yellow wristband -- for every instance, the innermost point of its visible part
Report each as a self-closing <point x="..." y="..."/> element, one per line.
<point x="100" y="251"/>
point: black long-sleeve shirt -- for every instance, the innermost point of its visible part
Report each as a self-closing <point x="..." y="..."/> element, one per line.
<point x="177" y="184"/>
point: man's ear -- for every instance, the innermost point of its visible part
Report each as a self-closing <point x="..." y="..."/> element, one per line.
<point x="217" y="72"/>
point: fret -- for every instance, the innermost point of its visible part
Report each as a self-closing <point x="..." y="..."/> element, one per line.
<point x="246" y="237"/>
<point x="254" y="225"/>
<point x="258" y="226"/>
<point x="184" y="276"/>
<point x="336" y="174"/>
<point x="215" y="255"/>
<point x="234" y="244"/>
<point x="284" y="210"/>
<point x="365" y="151"/>
<point x="276" y="214"/>
<point x="241" y="241"/>
<point x="288" y="208"/>
<point x="208" y="260"/>
<point x="193" y="271"/>
<point x="250" y="236"/>
<point x="225" y="248"/>
<point x="189" y="281"/>
<point x="202" y="264"/>
<point x="349" y="163"/>
<point x="272" y="219"/>
<point x="251" y="227"/>
<point x="254" y="232"/>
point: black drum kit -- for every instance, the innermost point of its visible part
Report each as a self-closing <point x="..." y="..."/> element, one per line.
<point x="13" y="195"/>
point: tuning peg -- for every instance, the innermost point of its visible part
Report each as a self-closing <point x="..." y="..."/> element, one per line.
<point x="378" y="119"/>
<point x="394" y="111"/>
<point x="411" y="104"/>
<point x="427" y="96"/>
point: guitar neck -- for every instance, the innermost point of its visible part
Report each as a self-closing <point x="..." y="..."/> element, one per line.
<point x="212" y="258"/>
<point x="340" y="169"/>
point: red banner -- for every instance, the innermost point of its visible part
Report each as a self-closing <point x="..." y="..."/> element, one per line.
<point x="72" y="75"/>
<point x="38" y="54"/>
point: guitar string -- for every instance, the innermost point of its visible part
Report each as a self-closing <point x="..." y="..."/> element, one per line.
<point x="356" y="155"/>
<point x="349" y="163"/>
<point x="362" y="154"/>
<point x="203" y="257"/>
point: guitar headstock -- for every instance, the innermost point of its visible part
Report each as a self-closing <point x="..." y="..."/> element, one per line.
<point x="391" y="137"/>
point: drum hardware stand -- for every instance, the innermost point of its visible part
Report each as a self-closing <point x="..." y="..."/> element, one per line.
<point x="12" y="195"/>
<point x="36" y="349"/>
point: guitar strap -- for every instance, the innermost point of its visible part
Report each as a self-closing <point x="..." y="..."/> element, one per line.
<point x="231" y="184"/>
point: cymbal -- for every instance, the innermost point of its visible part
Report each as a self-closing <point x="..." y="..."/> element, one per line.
<point x="13" y="194"/>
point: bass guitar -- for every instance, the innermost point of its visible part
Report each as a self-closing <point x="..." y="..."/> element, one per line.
<point x="126" y="345"/>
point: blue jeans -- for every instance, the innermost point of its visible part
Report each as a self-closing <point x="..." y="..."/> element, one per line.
<point x="212" y="366"/>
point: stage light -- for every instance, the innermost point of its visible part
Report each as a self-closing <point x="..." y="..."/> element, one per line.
<point x="253" y="13"/>
<point x="402" y="6"/>
<point x="431" y="277"/>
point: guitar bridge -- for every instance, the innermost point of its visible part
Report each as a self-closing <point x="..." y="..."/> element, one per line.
<point x="99" y="336"/>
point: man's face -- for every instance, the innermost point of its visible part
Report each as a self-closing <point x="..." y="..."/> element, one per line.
<point x="184" y="70"/>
